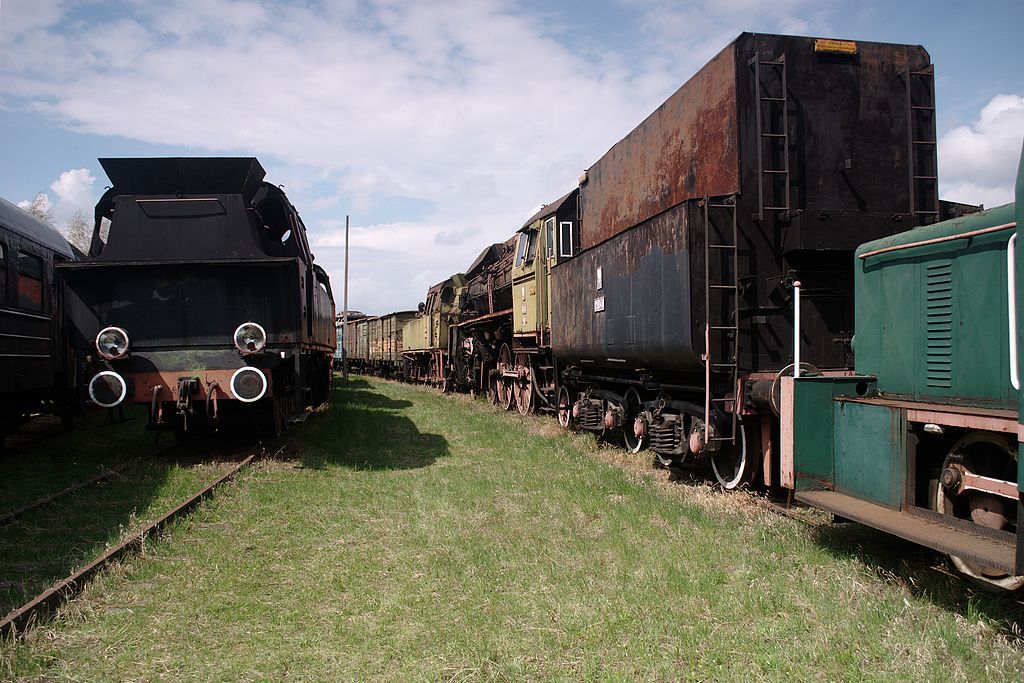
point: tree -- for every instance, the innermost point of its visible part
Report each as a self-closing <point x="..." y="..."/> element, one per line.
<point x="41" y="208"/>
<point x="78" y="232"/>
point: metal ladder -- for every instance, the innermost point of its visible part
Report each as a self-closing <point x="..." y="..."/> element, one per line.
<point x="773" y="162"/>
<point x="921" y="125"/>
<point x="721" y="329"/>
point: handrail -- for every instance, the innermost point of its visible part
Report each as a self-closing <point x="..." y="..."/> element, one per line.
<point x="796" y="329"/>
<point x="1011" y="306"/>
<point x="939" y="240"/>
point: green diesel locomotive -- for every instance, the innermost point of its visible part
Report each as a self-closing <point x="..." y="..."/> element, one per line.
<point x="921" y="441"/>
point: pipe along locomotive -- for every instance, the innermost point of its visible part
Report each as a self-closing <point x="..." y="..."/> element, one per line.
<point x="697" y="296"/>
<point x="200" y="298"/>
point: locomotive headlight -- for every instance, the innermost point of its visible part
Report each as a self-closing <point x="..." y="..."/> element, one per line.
<point x="112" y="343"/>
<point x="248" y="384"/>
<point x="107" y="389"/>
<point x="250" y="337"/>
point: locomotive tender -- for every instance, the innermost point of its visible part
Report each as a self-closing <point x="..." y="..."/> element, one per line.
<point x="33" y="359"/>
<point x="203" y="301"/>
<point x="768" y="167"/>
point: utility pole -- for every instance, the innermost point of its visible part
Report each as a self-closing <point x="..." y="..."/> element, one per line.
<point x="344" y="320"/>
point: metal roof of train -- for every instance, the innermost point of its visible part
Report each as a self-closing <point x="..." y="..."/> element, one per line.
<point x="549" y="209"/>
<point x="487" y="256"/>
<point x="28" y="226"/>
<point x="184" y="175"/>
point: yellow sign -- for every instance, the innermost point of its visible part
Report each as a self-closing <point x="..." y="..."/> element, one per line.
<point x="843" y="47"/>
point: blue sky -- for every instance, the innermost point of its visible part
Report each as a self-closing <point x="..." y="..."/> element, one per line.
<point x="438" y="125"/>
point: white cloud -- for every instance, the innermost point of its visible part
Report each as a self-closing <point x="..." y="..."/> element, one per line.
<point x="18" y="17"/>
<point x="74" y="187"/>
<point x="978" y="161"/>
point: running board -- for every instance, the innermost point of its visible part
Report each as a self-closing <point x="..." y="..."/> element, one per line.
<point x="975" y="548"/>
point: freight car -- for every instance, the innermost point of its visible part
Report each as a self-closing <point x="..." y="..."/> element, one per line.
<point x="674" y="323"/>
<point x="203" y="302"/>
<point x="357" y="348"/>
<point x="922" y="441"/>
<point x="33" y="359"/>
<point x="339" y="327"/>
<point x="378" y="344"/>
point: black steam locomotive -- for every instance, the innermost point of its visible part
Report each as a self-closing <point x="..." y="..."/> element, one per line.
<point x="200" y="297"/>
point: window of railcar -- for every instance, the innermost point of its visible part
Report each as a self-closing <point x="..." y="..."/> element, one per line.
<point x="549" y="234"/>
<point x="523" y="248"/>
<point x="532" y="251"/>
<point x="565" y="239"/>
<point x="30" y="282"/>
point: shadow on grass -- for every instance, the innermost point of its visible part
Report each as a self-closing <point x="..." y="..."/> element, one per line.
<point x="366" y="430"/>
<point x="924" y="572"/>
<point x="45" y="544"/>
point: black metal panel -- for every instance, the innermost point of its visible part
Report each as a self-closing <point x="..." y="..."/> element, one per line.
<point x="185" y="175"/>
<point x="830" y="146"/>
<point x="644" y="292"/>
<point x="177" y="305"/>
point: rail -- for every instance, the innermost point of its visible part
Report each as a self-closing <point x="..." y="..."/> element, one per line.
<point x="67" y="588"/>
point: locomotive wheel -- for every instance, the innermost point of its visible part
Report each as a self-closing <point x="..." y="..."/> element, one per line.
<point x="272" y="417"/>
<point x="988" y="455"/>
<point x="634" y="443"/>
<point x="524" y="386"/>
<point x="564" y="407"/>
<point x="735" y="465"/>
<point x="506" y="395"/>
<point x="492" y="390"/>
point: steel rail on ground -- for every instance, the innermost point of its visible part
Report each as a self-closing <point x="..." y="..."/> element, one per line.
<point x="62" y="591"/>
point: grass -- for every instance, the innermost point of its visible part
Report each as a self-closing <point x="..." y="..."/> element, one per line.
<point x="414" y="536"/>
<point x="47" y="543"/>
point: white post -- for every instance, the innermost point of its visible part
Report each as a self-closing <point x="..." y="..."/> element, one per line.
<point x="796" y="329"/>
<point x="1011" y="299"/>
<point x="344" y="319"/>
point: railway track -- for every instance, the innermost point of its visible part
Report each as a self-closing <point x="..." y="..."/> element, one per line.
<point x="63" y="590"/>
<point x="9" y="517"/>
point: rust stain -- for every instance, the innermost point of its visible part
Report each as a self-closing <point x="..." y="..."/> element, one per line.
<point x="686" y="149"/>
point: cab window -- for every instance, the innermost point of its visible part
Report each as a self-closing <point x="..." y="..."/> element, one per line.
<point x="30" y="282"/>
<point x="532" y="251"/>
<point x="524" y="251"/>
<point x="549" y="234"/>
<point x="565" y="238"/>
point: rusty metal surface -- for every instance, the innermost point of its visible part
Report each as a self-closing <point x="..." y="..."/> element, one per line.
<point x="977" y="548"/>
<point x="66" y="589"/>
<point x="847" y="134"/>
<point x="686" y="149"/>
<point x="145" y="382"/>
<point x="641" y="312"/>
